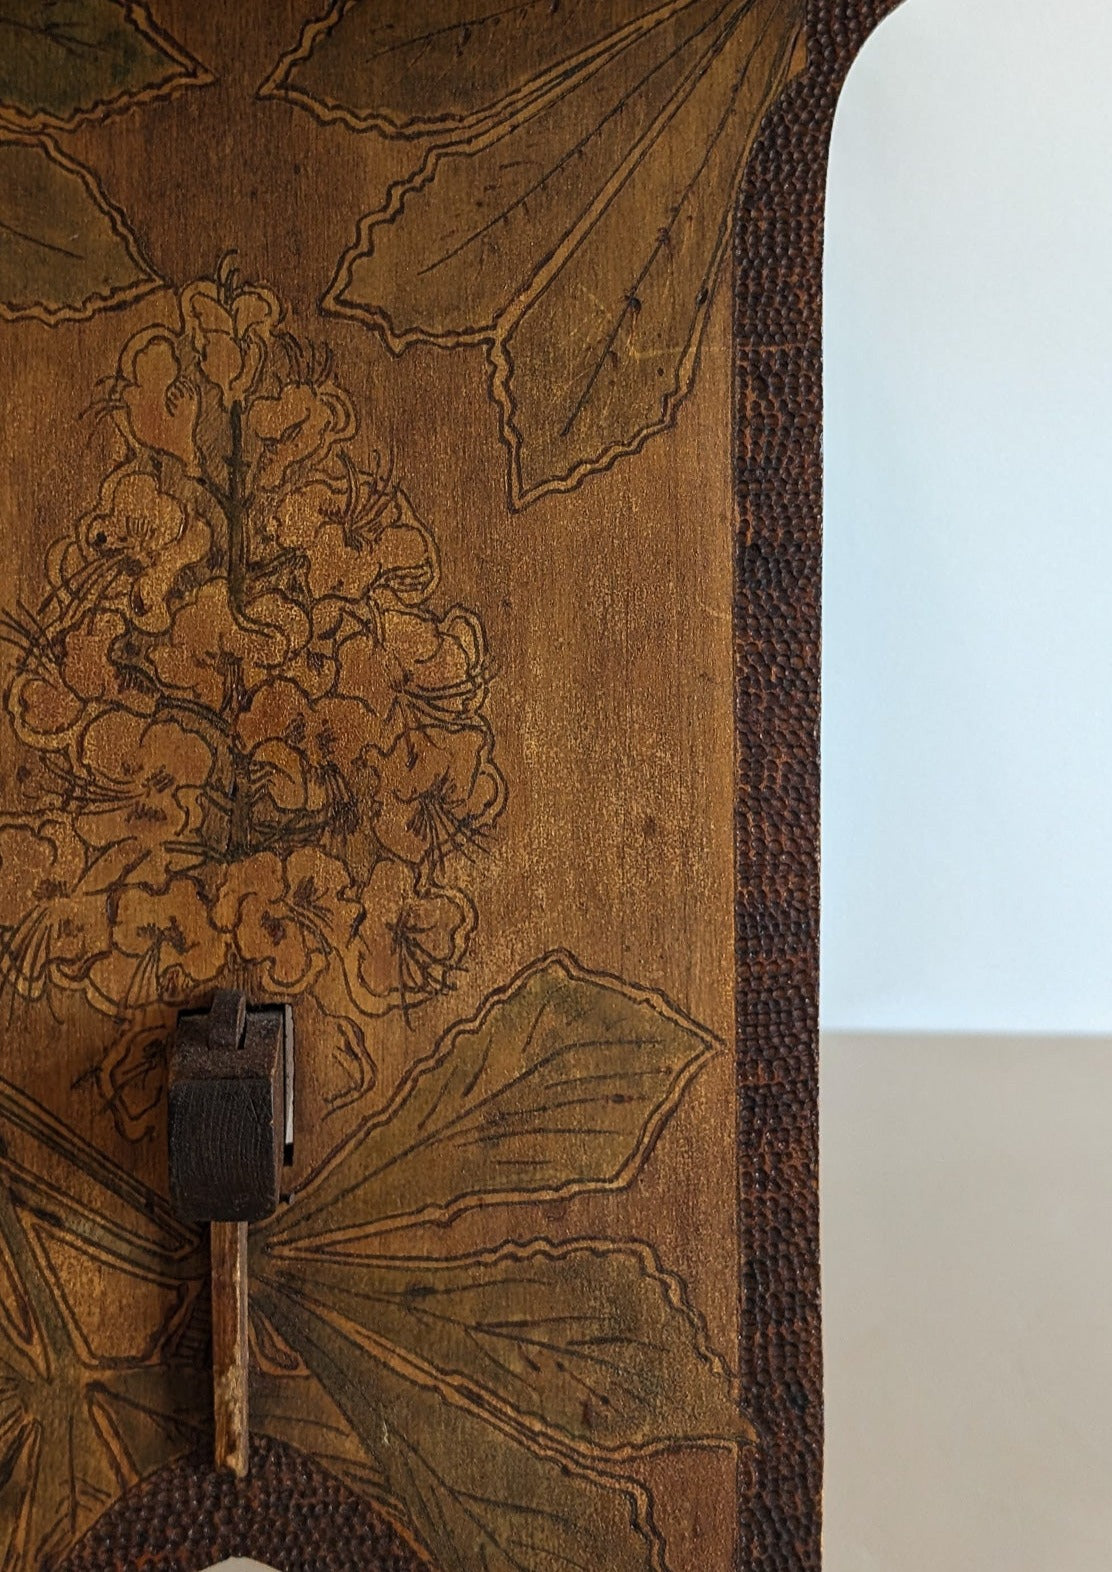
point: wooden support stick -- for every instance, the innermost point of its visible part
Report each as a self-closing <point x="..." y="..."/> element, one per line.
<point x="228" y="1246"/>
<point x="230" y="1123"/>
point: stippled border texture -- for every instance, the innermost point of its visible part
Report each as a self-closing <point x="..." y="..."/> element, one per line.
<point x="289" y="1512"/>
<point x="778" y="459"/>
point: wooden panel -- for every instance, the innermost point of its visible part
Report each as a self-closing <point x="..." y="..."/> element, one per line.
<point x="369" y="641"/>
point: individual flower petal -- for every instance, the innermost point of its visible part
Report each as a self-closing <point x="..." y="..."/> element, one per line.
<point x="280" y="618"/>
<point x="260" y="875"/>
<point x="158" y="405"/>
<point x="313" y="667"/>
<point x="173" y="932"/>
<point x="302" y="513"/>
<point x="143" y="781"/>
<point x="86" y="662"/>
<point x="210" y="652"/>
<point x="62" y="673"/>
<point x="287" y="915"/>
<point x="366" y="546"/>
<point x="411" y="941"/>
<point x="46" y="713"/>
<point x="150" y="536"/>
<point x="230" y="334"/>
<point x="439" y="790"/>
<point x="38" y="861"/>
<point x="280" y="772"/>
<point x="436" y="667"/>
<point x="303" y="422"/>
<point x="252" y="906"/>
<point x="408" y="565"/>
<point x="334" y="738"/>
<point x="58" y="926"/>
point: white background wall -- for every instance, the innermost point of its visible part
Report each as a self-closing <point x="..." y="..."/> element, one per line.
<point x="967" y="738"/>
<point x="967" y="1180"/>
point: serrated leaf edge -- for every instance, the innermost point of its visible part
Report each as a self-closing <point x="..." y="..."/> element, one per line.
<point x="540" y="1447"/>
<point x="450" y="130"/>
<point x="620" y="1180"/>
<point x="189" y="72"/>
<point x="146" y="284"/>
<point x="484" y="1402"/>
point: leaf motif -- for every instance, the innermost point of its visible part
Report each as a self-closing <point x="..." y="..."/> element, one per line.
<point x="413" y="71"/>
<point x="579" y="237"/>
<point x="487" y="222"/>
<point x="560" y="1085"/>
<point x="296" y="1410"/>
<point x="18" y="1464"/>
<point x="474" y="1495"/>
<point x="65" y="252"/>
<point x="45" y="1161"/>
<point x="64" y="61"/>
<point x="145" y="1416"/>
<point x="91" y="1399"/>
<point x="588" y="1343"/>
<point x="574" y="401"/>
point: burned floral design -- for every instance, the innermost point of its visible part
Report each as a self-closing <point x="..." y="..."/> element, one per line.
<point x="263" y="743"/>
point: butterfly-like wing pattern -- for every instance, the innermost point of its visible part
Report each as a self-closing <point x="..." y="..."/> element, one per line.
<point x="490" y="1403"/>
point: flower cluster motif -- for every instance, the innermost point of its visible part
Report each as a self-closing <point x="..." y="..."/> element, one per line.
<point x="253" y="748"/>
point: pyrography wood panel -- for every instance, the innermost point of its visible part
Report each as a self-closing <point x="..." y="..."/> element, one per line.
<point x="412" y="472"/>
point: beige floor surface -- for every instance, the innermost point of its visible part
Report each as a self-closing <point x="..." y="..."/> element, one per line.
<point x="967" y="1193"/>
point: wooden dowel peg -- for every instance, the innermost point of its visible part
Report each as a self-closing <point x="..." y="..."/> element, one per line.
<point x="228" y="1246"/>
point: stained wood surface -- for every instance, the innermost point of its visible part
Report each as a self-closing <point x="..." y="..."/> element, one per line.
<point x="368" y="549"/>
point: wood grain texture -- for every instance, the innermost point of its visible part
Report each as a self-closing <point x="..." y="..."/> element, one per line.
<point x="225" y="1111"/>
<point x="373" y="644"/>
<point x="229" y="1295"/>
